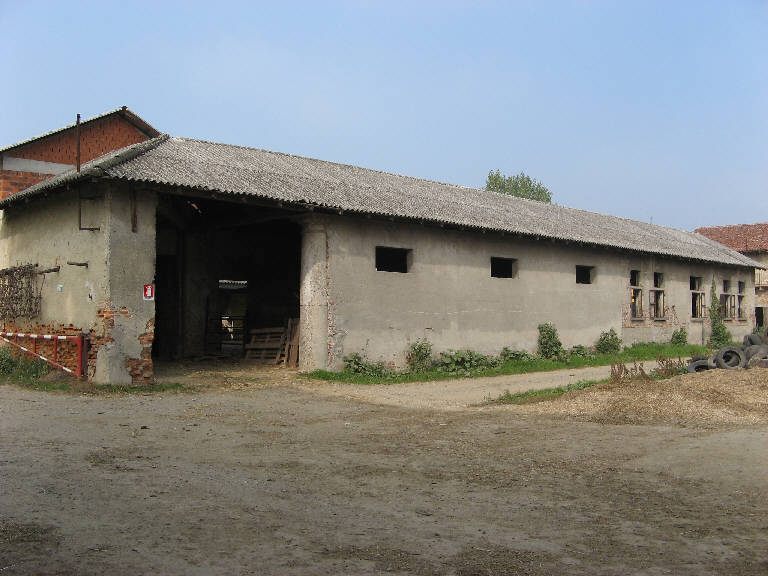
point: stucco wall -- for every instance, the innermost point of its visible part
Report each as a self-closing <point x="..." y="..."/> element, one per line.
<point x="130" y="256"/>
<point x="104" y="299"/>
<point x="47" y="233"/>
<point x="449" y="297"/>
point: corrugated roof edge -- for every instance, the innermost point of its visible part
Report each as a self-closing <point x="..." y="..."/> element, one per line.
<point x="101" y="165"/>
<point x="124" y="111"/>
<point x="746" y="261"/>
<point x="95" y="167"/>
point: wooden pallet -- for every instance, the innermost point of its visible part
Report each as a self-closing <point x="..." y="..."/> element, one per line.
<point x="266" y="344"/>
<point x="290" y="354"/>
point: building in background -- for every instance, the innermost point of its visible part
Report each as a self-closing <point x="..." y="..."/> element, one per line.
<point x="751" y="240"/>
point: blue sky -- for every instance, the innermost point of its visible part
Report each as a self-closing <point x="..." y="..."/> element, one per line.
<point x="645" y="110"/>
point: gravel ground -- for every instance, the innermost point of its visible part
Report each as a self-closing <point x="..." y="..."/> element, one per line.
<point x="255" y="474"/>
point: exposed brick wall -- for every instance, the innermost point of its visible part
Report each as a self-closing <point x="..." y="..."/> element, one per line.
<point x="141" y="369"/>
<point x="96" y="139"/>
<point x="12" y="181"/>
<point x="66" y="349"/>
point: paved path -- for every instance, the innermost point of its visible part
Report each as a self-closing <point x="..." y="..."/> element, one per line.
<point x="461" y="393"/>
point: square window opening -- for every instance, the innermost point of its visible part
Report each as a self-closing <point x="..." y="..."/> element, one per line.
<point x="742" y="287"/>
<point x="393" y="259"/>
<point x="585" y="274"/>
<point x="696" y="283"/>
<point x="503" y="267"/>
<point x="634" y="277"/>
<point x="658" y="279"/>
<point x="726" y="286"/>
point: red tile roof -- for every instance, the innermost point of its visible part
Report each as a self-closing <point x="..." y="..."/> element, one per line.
<point x="741" y="237"/>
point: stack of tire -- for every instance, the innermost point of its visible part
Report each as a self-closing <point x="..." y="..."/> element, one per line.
<point x="753" y="352"/>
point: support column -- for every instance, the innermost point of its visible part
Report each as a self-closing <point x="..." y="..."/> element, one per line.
<point x="313" y="342"/>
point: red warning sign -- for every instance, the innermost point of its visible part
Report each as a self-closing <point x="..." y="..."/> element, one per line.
<point x="149" y="291"/>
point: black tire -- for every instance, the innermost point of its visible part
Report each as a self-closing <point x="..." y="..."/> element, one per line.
<point x="753" y="340"/>
<point x="697" y="358"/>
<point x="754" y="349"/>
<point x="730" y="358"/>
<point x="760" y="355"/>
<point x="698" y="365"/>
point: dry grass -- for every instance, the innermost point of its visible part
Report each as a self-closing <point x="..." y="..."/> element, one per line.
<point x="708" y="399"/>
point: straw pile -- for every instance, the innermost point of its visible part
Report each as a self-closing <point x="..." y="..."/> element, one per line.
<point x="707" y="399"/>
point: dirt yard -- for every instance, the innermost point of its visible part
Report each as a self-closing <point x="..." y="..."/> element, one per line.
<point x="254" y="473"/>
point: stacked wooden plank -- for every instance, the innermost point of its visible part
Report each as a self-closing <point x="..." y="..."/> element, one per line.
<point x="276" y="344"/>
<point x="291" y="349"/>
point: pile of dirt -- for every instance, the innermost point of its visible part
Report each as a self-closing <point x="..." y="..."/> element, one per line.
<point x="707" y="399"/>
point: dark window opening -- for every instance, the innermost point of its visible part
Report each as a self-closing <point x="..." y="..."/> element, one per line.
<point x="742" y="287"/>
<point x="634" y="277"/>
<point x="658" y="279"/>
<point x="726" y="286"/>
<point x="584" y="274"/>
<point x="696" y="283"/>
<point x="503" y="267"/>
<point x="740" y="303"/>
<point x="392" y="259"/>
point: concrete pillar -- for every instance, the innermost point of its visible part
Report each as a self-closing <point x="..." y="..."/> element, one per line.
<point x="313" y="342"/>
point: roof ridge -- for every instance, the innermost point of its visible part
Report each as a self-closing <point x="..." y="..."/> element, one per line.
<point x="378" y="171"/>
<point x="419" y="179"/>
<point x="132" y="116"/>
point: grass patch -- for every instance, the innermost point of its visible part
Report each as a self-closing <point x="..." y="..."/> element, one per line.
<point x="27" y="372"/>
<point x="543" y="395"/>
<point x="635" y="353"/>
<point x="138" y="389"/>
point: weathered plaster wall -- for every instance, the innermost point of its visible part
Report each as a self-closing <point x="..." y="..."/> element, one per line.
<point x="130" y="257"/>
<point x="449" y="297"/>
<point x="46" y="232"/>
<point x="314" y="314"/>
<point x="105" y="298"/>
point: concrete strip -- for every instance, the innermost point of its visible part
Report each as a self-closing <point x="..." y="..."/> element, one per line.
<point x="36" y="166"/>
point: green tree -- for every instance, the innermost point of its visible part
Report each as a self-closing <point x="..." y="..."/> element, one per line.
<point x="720" y="335"/>
<point x="520" y="185"/>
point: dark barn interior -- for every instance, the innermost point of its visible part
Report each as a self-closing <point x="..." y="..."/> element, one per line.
<point x="224" y="272"/>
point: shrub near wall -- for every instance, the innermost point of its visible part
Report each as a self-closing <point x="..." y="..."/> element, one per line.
<point x="550" y="346"/>
<point x="608" y="343"/>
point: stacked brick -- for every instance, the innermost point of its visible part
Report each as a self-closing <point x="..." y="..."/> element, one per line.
<point x="140" y="369"/>
<point x="66" y="349"/>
